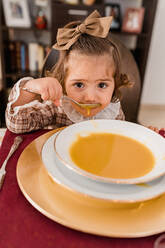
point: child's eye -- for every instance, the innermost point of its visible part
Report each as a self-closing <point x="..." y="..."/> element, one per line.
<point x="79" y="85"/>
<point x="102" y="85"/>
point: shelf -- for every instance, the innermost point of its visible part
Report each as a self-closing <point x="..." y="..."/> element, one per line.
<point x="5" y="28"/>
<point x="23" y="74"/>
<point x="79" y="5"/>
<point x="49" y="30"/>
<point x="118" y="32"/>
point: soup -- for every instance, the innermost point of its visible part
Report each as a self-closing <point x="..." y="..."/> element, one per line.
<point x="112" y="156"/>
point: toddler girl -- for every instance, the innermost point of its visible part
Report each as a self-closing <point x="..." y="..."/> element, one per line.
<point x="88" y="71"/>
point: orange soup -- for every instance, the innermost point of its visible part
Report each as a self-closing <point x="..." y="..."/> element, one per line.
<point x="112" y="156"/>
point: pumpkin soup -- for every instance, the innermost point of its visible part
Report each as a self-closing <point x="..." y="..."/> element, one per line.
<point x="111" y="156"/>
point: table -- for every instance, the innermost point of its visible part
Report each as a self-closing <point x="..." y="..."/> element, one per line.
<point x="21" y="225"/>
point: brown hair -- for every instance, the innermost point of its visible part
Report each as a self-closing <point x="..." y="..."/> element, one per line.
<point x="90" y="45"/>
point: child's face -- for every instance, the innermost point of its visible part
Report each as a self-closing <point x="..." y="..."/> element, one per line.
<point x="90" y="79"/>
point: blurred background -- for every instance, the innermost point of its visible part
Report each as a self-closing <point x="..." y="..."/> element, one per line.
<point x="28" y="30"/>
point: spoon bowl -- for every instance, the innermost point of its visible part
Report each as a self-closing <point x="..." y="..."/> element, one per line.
<point x="82" y="105"/>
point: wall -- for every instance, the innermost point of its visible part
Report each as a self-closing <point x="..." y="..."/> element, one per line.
<point x="128" y="41"/>
<point x="154" y="83"/>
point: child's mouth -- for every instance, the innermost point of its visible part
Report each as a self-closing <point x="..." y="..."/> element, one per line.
<point x="88" y="107"/>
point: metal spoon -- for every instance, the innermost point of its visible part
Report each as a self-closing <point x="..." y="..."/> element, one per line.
<point x="13" y="148"/>
<point x="82" y="105"/>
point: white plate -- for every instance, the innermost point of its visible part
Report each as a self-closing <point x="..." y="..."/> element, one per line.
<point x="153" y="141"/>
<point x="99" y="190"/>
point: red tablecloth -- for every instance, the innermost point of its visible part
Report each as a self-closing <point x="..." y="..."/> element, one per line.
<point x="21" y="225"/>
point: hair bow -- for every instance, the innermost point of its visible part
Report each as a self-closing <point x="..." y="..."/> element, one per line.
<point x="94" y="25"/>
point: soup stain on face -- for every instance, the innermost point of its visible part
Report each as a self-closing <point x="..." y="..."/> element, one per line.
<point x="112" y="156"/>
<point x="90" y="79"/>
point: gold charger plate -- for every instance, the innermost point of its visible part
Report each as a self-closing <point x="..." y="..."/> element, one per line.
<point x="81" y="212"/>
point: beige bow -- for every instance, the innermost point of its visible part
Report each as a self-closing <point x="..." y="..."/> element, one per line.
<point x="94" y="25"/>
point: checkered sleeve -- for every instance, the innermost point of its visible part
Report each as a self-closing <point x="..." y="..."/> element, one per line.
<point x="34" y="115"/>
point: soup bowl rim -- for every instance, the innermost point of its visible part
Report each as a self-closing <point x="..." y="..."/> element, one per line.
<point x="91" y="176"/>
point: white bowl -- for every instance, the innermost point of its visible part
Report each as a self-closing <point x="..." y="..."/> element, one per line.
<point x="153" y="141"/>
<point x="101" y="193"/>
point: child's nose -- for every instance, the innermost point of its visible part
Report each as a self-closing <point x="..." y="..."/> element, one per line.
<point x="89" y="96"/>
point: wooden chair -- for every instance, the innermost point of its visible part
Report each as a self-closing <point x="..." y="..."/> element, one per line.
<point x="130" y="96"/>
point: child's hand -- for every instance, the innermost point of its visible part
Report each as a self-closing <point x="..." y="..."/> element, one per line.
<point x="49" y="88"/>
<point x="154" y="129"/>
<point x="160" y="131"/>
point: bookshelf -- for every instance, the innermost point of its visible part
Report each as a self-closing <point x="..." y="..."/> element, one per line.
<point x="60" y="14"/>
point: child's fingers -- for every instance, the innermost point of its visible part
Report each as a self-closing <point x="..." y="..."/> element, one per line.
<point x="160" y="131"/>
<point x="59" y="93"/>
<point x="48" y="88"/>
<point x="155" y="129"/>
<point x="52" y="93"/>
<point x="45" y="95"/>
<point x="55" y="93"/>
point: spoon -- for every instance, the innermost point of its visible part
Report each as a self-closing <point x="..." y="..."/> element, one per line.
<point x="17" y="141"/>
<point x="87" y="106"/>
<point x="83" y="105"/>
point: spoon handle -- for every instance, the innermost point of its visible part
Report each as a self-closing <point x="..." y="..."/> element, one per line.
<point x="35" y="92"/>
<point x="13" y="148"/>
<point x="29" y="90"/>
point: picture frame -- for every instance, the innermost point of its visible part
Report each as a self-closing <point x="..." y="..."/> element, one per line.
<point x="114" y="10"/>
<point x="133" y="20"/>
<point x="16" y="13"/>
<point x="74" y="2"/>
<point x="41" y="3"/>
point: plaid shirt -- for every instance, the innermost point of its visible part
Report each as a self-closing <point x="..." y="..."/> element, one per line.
<point x="36" y="115"/>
